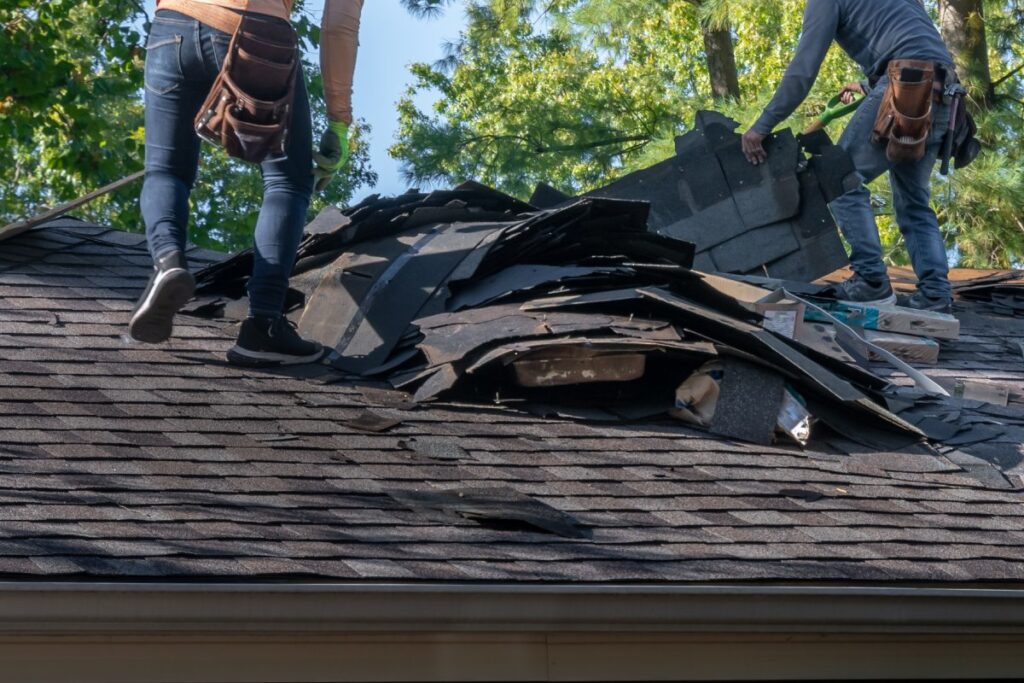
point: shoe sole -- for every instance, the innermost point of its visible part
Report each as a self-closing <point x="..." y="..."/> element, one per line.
<point x="153" y="322"/>
<point x="945" y="309"/>
<point x="260" y="359"/>
<point x="887" y="301"/>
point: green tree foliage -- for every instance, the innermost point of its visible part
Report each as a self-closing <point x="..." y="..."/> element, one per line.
<point x="67" y="74"/>
<point x="579" y="92"/>
<point x="71" y="120"/>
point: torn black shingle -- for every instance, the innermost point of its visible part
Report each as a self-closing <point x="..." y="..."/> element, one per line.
<point x="769" y="219"/>
<point x="494" y="508"/>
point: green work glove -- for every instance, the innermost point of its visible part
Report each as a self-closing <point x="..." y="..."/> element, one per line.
<point x="332" y="155"/>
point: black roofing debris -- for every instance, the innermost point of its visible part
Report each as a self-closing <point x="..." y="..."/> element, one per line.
<point x="770" y="220"/>
<point x="369" y="421"/>
<point x="435" y="448"/>
<point x="496" y="508"/>
<point x="749" y="402"/>
<point x="1003" y="292"/>
<point x="595" y="308"/>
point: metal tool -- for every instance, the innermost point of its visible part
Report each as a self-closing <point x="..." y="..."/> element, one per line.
<point x="955" y="93"/>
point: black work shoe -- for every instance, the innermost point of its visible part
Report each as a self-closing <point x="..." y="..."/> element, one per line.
<point x="856" y="291"/>
<point x="922" y="302"/>
<point x="169" y="288"/>
<point x="264" y="342"/>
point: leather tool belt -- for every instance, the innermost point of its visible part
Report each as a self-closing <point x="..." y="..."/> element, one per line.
<point x="905" y="117"/>
<point x="249" y="108"/>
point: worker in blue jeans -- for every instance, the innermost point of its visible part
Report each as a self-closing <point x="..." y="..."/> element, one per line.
<point x="183" y="57"/>
<point x="873" y="33"/>
<point x="911" y="194"/>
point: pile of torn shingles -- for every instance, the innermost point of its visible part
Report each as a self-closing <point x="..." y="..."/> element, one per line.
<point x="579" y="310"/>
<point x="771" y="219"/>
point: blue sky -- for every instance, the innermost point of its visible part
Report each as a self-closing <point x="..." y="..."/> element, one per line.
<point x="390" y="40"/>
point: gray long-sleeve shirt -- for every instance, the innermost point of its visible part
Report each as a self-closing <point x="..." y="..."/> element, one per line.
<point x="872" y="32"/>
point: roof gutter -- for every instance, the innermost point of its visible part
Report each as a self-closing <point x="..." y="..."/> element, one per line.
<point x="368" y="608"/>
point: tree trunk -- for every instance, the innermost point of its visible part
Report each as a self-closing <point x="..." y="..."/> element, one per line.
<point x="963" y="28"/>
<point x="718" y="46"/>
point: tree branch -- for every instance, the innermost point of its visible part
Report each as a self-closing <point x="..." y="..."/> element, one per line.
<point x="1005" y="77"/>
<point x="539" y="149"/>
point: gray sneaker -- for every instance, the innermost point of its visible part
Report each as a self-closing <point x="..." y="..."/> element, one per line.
<point x="922" y="302"/>
<point x="170" y="287"/>
<point x="856" y="291"/>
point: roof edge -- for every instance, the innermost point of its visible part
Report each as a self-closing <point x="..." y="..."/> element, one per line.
<point x="51" y="607"/>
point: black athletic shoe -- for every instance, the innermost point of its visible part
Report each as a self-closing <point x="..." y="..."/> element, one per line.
<point x="857" y="291"/>
<point x="264" y="342"/>
<point x="170" y="288"/>
<point x="922" y="302"/>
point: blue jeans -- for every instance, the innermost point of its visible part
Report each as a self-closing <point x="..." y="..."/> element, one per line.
<point x="183" y="56"/>
<point x="911" y="195"/>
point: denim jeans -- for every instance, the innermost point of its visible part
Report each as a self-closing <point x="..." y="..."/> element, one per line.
<point x="183" y="56"/>
<point x="911" y="194"/>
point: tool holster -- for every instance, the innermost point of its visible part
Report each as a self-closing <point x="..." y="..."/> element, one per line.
<point x="249" y="108"/>
<point x="960" y="144"/>
<point x="905" y="116"/>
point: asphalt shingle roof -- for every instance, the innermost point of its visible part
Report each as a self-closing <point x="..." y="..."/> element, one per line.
<point x="120" y="460"/>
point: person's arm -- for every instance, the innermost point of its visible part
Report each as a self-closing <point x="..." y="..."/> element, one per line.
<point x="821" y="21"/>
<point x="339" y="43"/>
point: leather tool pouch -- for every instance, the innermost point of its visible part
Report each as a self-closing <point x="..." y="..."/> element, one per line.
<point x="249" y="108"/>
<point x="905" y="116"/>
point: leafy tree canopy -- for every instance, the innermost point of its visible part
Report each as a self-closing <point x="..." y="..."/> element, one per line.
<point x="579" y="92"/>
<point x="71" y="120"/>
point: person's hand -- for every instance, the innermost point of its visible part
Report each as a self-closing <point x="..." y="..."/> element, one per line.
<point x="850" y="91"/>
<point x="753" y="147"/>
<point x="332" y="155"/>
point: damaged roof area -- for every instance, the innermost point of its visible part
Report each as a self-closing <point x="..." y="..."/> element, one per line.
<point x="771" y="219"/>
<point x="582" y="311"/>
<point x="128" y="461"/>
<point x="443" y="309"/>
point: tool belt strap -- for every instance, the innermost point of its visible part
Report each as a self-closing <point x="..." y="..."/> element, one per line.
<point x="220" y="18"/>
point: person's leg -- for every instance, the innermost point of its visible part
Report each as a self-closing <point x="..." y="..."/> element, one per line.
<point x="267" y="338"/>
<point x="287" y="188"/>
<point x="852" y="211"/>
<point x="911" y="191"/>
<point x="172" y="148"/>
<point x="173" y="93"/>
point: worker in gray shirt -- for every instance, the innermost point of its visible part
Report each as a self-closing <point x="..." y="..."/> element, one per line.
<point x="873" y="33"/>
